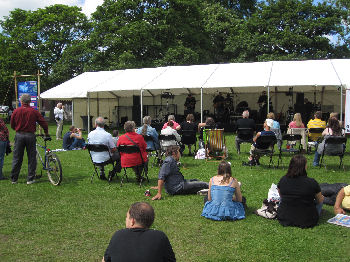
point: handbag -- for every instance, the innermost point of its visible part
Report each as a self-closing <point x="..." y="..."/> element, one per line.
<point x="268" y="209"/>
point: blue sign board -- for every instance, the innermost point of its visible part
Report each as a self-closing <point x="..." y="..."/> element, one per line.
<point x="31" y="88"/>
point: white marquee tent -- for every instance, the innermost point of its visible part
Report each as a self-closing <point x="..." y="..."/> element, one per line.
<point x="275" y="76"/>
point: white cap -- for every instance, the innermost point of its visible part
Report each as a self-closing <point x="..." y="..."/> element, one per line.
<point x="269" y="122"/>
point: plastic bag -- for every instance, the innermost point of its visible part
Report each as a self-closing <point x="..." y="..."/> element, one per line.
<point x="273" y="194"/>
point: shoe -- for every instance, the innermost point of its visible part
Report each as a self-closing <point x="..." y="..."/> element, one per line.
<point x="203" y="192"/>
<point x="240" y="184"/>
<point x="31" y="182"/>
<point x="13" y="182"/>
<point x="103" y="177"/>
<point x="249" y="163"/>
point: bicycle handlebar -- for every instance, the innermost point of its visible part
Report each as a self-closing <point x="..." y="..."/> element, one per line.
<point x="46" y="138"/>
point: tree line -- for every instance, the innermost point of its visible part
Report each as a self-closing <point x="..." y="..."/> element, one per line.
<point x="62" y="42"/>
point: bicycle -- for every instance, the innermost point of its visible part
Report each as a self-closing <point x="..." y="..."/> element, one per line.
<point x="49" y="161"/>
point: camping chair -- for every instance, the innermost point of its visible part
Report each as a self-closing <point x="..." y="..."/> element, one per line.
<point x="141" y="170"/>
<point x="244" y="135"/>
<point x="265" y="147"/>
<point x="188" y="137"/>
<point x="165" y="141"/>
<point x="101" y="148"/>
<point x="150" y="152"/>
<point x="317" y="137"/>
<point x="291" y="142"/>
<point x="332" y="141"/>
<point x="278" y="134"/>
<point x="298" y="131"/>
<point x="215" y="144"/>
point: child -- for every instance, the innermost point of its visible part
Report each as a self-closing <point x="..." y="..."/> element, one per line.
<point x="224" y="196"/>
<point x="115" y="136"/>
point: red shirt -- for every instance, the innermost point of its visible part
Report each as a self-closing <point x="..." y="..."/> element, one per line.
<point x="4" y="132"/>
<point x="24" y="119"/>
<point x="129" y="160"/>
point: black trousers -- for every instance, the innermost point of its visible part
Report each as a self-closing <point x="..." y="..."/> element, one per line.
<point x="23" y="141"/>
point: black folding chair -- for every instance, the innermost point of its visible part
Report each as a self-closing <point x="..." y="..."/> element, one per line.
<point x="313" y="141"/>
<point x="189" y="138"/>
<point x="163" y="139"/>
<point x="152" y="152"/>
<point x="141" y="170"/>
<point x="333" y="141"/>
<point x="290" y="148"/>
<point x="245" y="135"/>
<point x="265" y="147"/>
<point x="101" y="148"/>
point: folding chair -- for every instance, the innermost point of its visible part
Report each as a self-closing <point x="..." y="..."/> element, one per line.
<point x="100" y="148"/>
<point x="215" y="144"/>
<point x="188" y="137"/>
<point x="299" y="131"/>
<point x="291" y="142"/>
<point x="141" y="170"/>
<point x="330" y="143"/>
<point x="315" y="139"/>
<point x="244" y="135"/>
<point x="150" y="152"/>
<point x="265" y="147"/>
<point x="278" y="134"/>
<point x="165" y="141"/>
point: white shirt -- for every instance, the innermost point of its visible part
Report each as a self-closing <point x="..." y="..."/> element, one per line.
<point x="58" y="113"/>
<point x="100" y="136"/>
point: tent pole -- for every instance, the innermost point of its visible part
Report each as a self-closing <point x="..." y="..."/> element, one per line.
<point x="268" y="99"/>
<point x="341" y="103"/>
<point x="72" y="112"/>
<point x="141" y="100"/>
<point x="201" y="104"/>
<point x="88" y="114"/>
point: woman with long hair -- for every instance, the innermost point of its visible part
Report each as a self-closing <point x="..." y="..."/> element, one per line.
<point x="297" y="122"/>
<point x="333" y="129"/>
<point x="301" y="197"/>
<point x="224" y="196"/>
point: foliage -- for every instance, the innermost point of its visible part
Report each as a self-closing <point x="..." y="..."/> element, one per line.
<point x="75" y="221"/>
<point x="286" y="30"/>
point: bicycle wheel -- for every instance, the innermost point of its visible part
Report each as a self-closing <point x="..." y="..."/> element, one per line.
<point x="54" y="169"/>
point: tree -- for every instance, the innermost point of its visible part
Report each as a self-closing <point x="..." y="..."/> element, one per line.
<point x="43" y="35"/>
<point x="286" y="29"/>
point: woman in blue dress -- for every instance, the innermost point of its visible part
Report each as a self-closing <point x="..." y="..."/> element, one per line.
<point x="224" y="196"/>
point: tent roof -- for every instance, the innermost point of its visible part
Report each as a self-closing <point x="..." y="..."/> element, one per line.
<point x="241" y="77"/>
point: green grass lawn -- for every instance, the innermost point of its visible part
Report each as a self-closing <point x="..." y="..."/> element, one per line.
<point x="75" y="221"/>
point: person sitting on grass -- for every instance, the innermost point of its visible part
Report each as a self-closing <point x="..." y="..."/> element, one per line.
<point x="73" y="139"/>
<point x="137" y="242"/>
<point x="224" y="196"/>
<point x="172" y="180"/>
<point x="301" y="197"/>
<point x="343" y="201"/>
<point x="254" y="159"/>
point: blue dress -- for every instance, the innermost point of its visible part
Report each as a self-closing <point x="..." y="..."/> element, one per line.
<point x="221" y="207"/>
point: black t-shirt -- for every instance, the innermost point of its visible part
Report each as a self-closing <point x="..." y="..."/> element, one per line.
<point x="298" y="207"/>
<point x="138" y="245"/>
<point x="245" y="123"/>
<point x="189" y="126"/>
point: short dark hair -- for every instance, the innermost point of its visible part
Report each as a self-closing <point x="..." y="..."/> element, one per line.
<point x="171" y="150"/>
<point x="143" y="213"/>
<point x="115" y="132"/>
<point x="190" y="117"/>
<point x="297" y="166"/>
<point x="318" y="114"/>
<point x="72" y="128"/>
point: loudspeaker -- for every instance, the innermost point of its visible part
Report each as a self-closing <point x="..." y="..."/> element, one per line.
<point x="300" y="99"/>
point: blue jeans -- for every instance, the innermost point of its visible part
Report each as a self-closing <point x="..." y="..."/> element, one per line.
<point x="316" y="158"/>
<point x="77" y="143"/>
<point x="3" y="145"/>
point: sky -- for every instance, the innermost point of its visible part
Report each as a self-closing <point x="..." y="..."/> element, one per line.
<point x="88" y="6"/>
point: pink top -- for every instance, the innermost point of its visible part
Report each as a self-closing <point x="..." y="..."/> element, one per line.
<point x="174" y="126"/>
<point x="294" y="125"/>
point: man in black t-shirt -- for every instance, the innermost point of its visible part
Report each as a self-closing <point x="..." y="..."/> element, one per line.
<point x="137" y="242"/>
<point x="244" y="122"/>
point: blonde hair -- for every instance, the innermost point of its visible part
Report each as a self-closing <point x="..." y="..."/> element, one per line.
<point x="270" y="115"/>
<point x="297" y="119"/>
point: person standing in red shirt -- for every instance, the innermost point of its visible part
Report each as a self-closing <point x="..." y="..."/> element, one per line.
<point x="23" y="121"/>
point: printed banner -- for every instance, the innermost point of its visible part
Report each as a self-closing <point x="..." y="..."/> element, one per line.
<point x="31" y="88"/>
